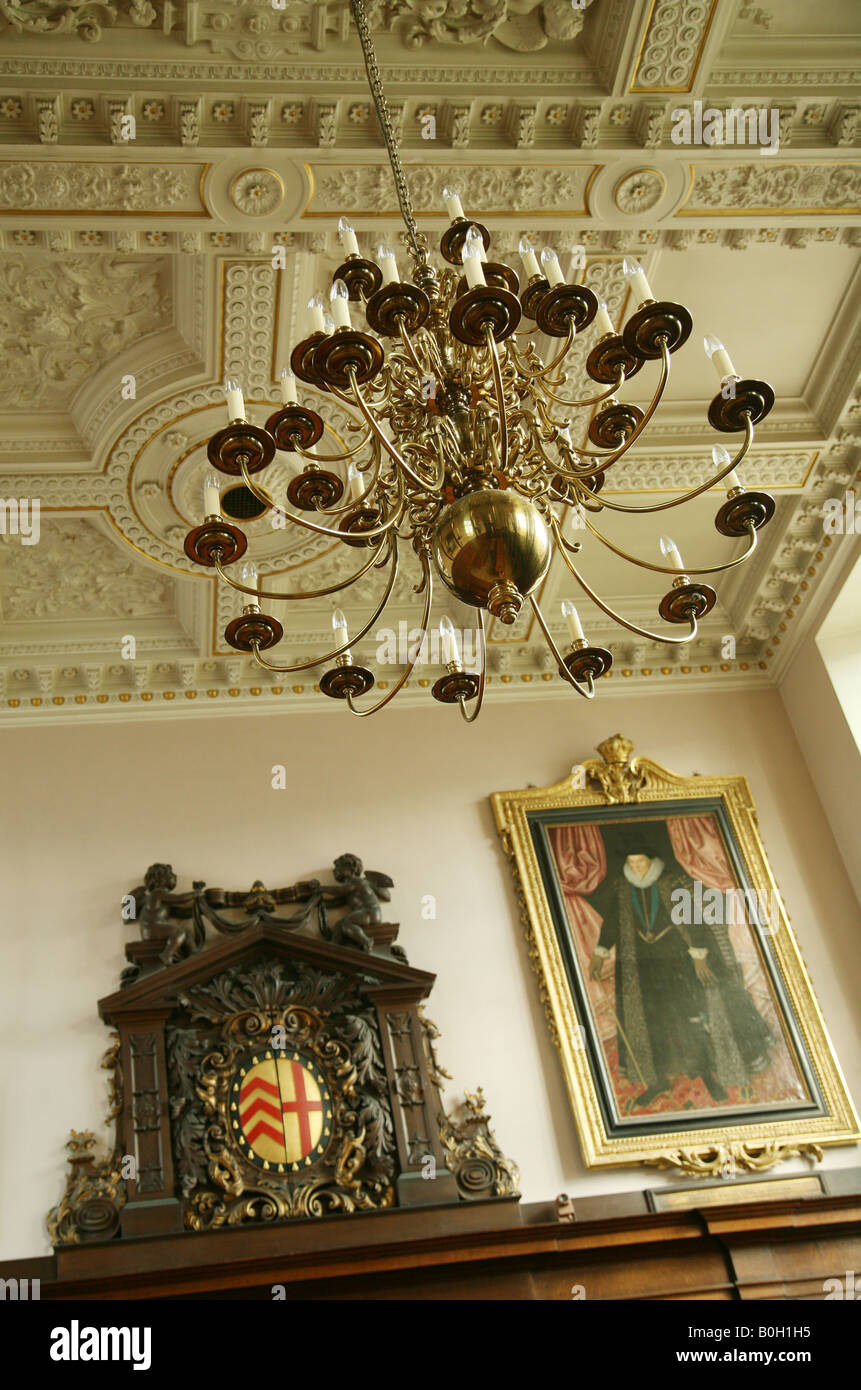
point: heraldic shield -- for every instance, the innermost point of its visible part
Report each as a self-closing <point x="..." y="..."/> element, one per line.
<point x="283" y="1070"/>
<point x="280" y="1110"/>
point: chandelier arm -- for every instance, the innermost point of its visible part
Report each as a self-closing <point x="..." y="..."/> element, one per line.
<point x="357" y="637"/>
<point x="405" y="674"/>
<point x="500" y="399"/>
<point x="607" y="459"/>
<point x="617" y="617"/>
<point x="545" y="371"/>
<point x="379" y="99"/>
<point x="389" y="446"/>
<point x="313" y="593"/>
<point x="677" y="501"/>
<point x="263" y="495"/>
<point x="589" y="692"/>
<point x="332" y="458"/>
<point x="410" y="350"/>
<point x="479" y="695"/>
<point x="662" y="569"/>
<point x="355" y="502"/>
<point x="593" y="400"/>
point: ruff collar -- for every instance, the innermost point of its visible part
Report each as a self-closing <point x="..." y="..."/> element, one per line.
<point x="656" y="868"/>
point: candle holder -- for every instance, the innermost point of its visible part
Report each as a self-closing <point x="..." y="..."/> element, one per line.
<point x="610" y="357"/>
<point x="395" y="304"/>
<point x="361" y="277"/>
<point x="500" y="276"/>
<point x="536" y="287"/>
<point x="686" y="601"/>
<point x="292" y="425"/>
<point x="345" y="353"/>
<point x="253" y="628"/>
<point x="743" y="511"/>
<point x="215" y="541"/>
<point x="314" y="488"/>
<point x="452" y="241"/>
<point x="614" y="424"/>
<point x="456" y="685"/>
<point x="359" y="520"/>
<point x="484" y="306"/>
<point x="751" y="400"/>
<point x="563" y="305"/>
<point x="302" y="360"/>
<point x="654" y="323"/>
<point x="345" y="678"/>
<point x="587" y="663"/>
<point x="240" y="443"/>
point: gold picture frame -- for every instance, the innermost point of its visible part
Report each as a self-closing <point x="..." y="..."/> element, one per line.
<point x="747" y="976"/>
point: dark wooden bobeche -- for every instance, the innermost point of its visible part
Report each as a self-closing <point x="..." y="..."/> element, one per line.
<point x="220" y="1044"/>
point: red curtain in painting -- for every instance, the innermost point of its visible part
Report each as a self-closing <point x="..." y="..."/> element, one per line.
<point x="699" y="849"/>
<point x="581" y="864"/>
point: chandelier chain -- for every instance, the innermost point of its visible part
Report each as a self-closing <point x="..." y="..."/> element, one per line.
<point x="375" y="83"/>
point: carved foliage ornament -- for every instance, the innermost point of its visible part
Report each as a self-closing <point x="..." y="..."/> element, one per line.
<point x="228" y="1086"/>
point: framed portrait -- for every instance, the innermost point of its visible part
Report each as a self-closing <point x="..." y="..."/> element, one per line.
<point x="686" y="1023"/>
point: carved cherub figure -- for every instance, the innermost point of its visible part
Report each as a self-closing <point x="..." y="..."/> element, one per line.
<point x="361" y="893"/>
<point x="158" y="904"/>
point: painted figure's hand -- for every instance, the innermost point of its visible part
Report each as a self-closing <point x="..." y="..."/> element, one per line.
<point x="704" y="975"/>
<point x="596" y="966"/>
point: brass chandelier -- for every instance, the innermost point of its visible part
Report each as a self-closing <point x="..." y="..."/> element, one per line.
<point x="477" y="470"/>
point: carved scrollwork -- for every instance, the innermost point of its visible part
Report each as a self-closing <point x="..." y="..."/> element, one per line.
<point x="83" y="17"/>
<point x="725" y="1160"/>
<point x="473" y="1155"/>
<point x="95" y="1195"/>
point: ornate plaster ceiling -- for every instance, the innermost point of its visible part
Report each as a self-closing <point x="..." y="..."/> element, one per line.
<point x="137" y="272"/>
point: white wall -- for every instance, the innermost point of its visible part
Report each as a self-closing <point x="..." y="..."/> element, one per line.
<point x="86" y="809"/>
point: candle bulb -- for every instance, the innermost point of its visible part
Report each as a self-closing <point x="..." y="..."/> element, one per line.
<point x="340" y="629"/>
<point x="315" y="309"/>
<point x="528" y="256"/>
<point x="602" y="319"/>
<point x="211" y="495"/>
<point x="636" y="278"/>
<point x="288" y="387"/>
<point x="348" y="237"/>
<point x="720" y="358"/>
<point x="572" y="618"/>
<point x="721" y="458"/>
<point x="355" y="481"/>
<point x="452" y="203"/>
<point x="551" y="267"/>
<point x="339" y="299"/>
<point x="670" y="552"/>
<point x="474" y="239"/>
<point x="235" y="402"/>
<point x="472" y="266"/>
<point x="248" y="575"/>
<point x="388" y="264"/>
<point x="448" y="638"/>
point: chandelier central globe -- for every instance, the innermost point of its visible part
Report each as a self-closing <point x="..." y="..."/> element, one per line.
<point x="492" y="548"/>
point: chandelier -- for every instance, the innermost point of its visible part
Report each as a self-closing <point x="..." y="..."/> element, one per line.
<point x="465" y="450"/>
